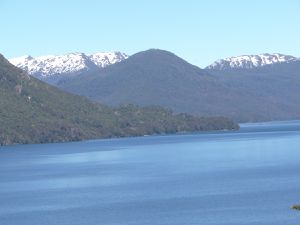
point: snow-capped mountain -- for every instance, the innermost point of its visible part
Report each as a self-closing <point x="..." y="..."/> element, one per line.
<point x="45" y="66"/>
<point x="250" y="61"/>
<point x="103" y="59"/>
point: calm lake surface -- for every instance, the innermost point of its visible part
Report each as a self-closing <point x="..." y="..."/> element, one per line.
<point x="248" y="177"/>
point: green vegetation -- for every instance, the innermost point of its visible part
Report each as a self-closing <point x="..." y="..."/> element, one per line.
<point x="296" y="207"/>
<point x="34" y="112"/>
<point x="156" y="77"/>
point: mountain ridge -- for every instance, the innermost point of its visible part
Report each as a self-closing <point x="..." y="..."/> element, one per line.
<point x="251" y="61"/>
<point x="158" y="77"/>
<point x="44" y="67"/>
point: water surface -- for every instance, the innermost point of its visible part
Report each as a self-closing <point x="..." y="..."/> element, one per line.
<point x="250" y="177"/>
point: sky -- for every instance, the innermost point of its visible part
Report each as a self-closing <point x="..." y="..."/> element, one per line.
<point x="198" y="31"/>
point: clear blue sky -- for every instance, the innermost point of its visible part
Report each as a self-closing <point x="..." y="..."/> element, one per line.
<point x="198" y="31"/>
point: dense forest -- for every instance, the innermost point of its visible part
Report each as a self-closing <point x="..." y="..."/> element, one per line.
<point x="34" y="112"/>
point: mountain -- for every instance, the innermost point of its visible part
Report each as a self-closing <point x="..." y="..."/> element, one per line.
<point x="32" y="111"/>
<point x="245" y="88"/>
<point x="274" y="87"/>
<point x="157" y="77"/>
<point x="152" y="77"/>
<point x="53" y="69"/>
<point x="251" y="61"/>
<point x="103" y="59"/>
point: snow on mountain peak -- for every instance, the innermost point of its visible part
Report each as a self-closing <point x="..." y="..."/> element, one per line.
<point x="250" y="61"/>
<point x="18" y="60"/>
<point x="103" y="59"/>
<point x="45" y="66"/>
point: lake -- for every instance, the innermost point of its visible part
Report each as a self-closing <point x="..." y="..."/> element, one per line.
<point x="249" y="177"/>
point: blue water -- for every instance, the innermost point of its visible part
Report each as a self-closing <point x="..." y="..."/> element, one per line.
<point x="248" y="177"/>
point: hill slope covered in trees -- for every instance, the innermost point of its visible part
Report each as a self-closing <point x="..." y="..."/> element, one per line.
<point x="34" y="112"/>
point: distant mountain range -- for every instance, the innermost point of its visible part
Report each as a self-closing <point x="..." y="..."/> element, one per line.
<point x="251" y="61"/>
<point x="245" y="88"/>
<point x="32" y="111"/>
<point x="51" y="68"/>
<point x="75" y="63"/>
